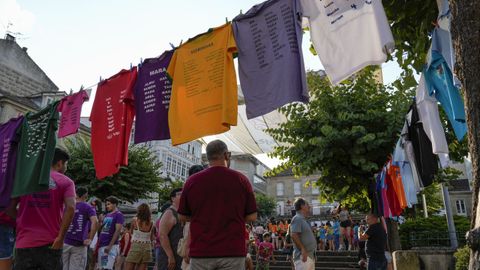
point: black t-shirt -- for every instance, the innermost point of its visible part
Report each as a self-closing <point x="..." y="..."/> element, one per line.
<point x="376" y="242"/>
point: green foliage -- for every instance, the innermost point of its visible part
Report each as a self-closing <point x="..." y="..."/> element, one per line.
<point x="166" y="188"/>
<point x="433" y="227"/>
<point x="136" y="181"/>
<point x="462" y="258"/>
<point x="265" y="205"/>
<point x="345" y="132"/>
<point x="434" y="199"/>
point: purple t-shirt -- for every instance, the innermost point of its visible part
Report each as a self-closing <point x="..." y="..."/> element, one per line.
<point x="108" y="227"/>
<point x="8" y="159"/>
<point x="270" y="59"/>
<point x="78" y="230"/>
<point x="152" y="99"/>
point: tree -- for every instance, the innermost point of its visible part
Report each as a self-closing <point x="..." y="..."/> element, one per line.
<point x="166" y="188"/>
<point x="136" y="181"/>
<point x="466" y="42"/>
<point x="265" y="205"/>
<point x="346" y="132"/>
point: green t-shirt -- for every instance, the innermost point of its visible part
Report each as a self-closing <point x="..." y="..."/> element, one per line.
<point x="35" y="151"/>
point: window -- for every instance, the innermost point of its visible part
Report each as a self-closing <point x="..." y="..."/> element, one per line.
<point x="280" y="189"/>
<point x="461" y="210"/>
<point x="174" y="166"/>
<point x="281" y="208"/>
<point x="297" y="188"/>
<point x="315" y="190"/>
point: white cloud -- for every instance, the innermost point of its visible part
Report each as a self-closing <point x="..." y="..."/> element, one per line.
<point x="20" y="20"/>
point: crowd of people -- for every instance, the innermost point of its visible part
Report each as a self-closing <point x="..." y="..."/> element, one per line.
<point x="209" y="224"/>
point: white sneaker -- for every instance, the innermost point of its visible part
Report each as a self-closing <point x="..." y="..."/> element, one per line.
<point x="341" y="248"/>
<point x="349" y="247"/>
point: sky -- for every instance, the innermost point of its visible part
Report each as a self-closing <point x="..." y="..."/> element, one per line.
<point x="77" y="42"/>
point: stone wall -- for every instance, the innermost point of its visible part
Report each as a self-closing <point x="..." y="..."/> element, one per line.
<point x="19" y="74"/>
<point x="434" y="259"/>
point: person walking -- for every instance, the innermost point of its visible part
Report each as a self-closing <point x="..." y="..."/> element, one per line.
<point x="43" y="219"/>
<point x="171" y="231"/>
<point x="345" y="227"/>
<point x="304" y="241"/>
<point x="7" y="240"/>
<point x="376" y="241"/>
<point x="218" y="202"/>
<point x="109" y="234"/>
<point x="80" y="233"/>
<point x="140" y="253"/>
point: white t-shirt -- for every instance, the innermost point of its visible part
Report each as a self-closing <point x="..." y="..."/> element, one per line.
<point x="428" y="113"/>
<point x="348" y="35"/>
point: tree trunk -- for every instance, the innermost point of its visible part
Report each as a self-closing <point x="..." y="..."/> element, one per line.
<point x="466" y="42"/>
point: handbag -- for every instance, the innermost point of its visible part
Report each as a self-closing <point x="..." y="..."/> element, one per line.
<point x="181" y="247"/>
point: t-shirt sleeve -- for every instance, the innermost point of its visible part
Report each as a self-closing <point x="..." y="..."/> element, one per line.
<point x="296" y="226"/>
<point x="91" y="212"/>
<point x="85" y="96"/>
<point x="231" y="44"/>
<point x="69" y="189"/>
<point x="171" y="66"/>
<point x="120" y="219"/>
<point x="372" y="230"/>
<point x="183" y="207"/>
<point x="129" y="97"/>
<point x="251" y="203"/>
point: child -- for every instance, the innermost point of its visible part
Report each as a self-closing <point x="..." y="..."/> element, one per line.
<point x="265" y="253"/>
<point x="322" y="237"/>
<point x="330" y="237"/>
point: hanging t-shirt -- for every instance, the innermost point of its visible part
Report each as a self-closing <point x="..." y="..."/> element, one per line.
<point x="112" y="118"/>
<point x="40" y="214"/>
<point x="430" y="118"/>
<point x="393" y="202"/>
<point x="78" y="229"/>
<point x="71" y="107"/>
<point x="152" y="98"/>
<point x="439" y="82"/>
<point x="426" y="161"/>
<point x="270" y="59"/>
<point x="400" y="160"/>
<point x="204" y="90"/>
<point x="35" y="151"/>
<point x="395" y="176"/>
<point x="348" y="35"/>
<point x="9" y="138"/>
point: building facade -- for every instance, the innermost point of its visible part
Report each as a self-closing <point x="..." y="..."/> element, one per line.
<point x="285" y="188"/>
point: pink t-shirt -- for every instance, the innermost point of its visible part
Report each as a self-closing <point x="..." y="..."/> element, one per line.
<point x="40" y="214"/>
<point x="265" y="251"/>
<point x="71" y="107"/>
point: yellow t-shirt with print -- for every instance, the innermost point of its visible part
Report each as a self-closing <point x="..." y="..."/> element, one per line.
<point x="204" y="87"/>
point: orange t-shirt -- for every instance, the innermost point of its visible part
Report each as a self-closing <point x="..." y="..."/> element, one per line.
<point x="204" y="86"/>
<point x="394" y="172"/>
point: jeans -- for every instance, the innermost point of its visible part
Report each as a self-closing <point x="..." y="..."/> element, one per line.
<point x="377" y="264"/>
<point x="7" y="240"/>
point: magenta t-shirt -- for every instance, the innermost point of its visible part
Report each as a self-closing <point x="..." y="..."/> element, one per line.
<point x="40" y="214"/>
<point x="71" y="107"/>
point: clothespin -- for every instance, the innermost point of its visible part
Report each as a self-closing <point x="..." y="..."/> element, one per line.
<point x="241" y="12"/>
<point x="81" y="87"/>
<point x="141" y="61"/>
<point x="226" y="19"/>
<point x="131" y="66"/>
<point x="100" y="79"/>
<point x="173" y="46"/>
<point x="71" y="91"/>
<point x="181" y="42"/>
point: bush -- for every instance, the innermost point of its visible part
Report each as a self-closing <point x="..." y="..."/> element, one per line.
<point x="432" y="231"/>
<point x="462" y="257"/>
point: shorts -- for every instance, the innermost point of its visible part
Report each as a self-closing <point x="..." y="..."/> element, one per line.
<point x="107" y="261"/>
<point x="330" y="237"/>
<point x="388" y="256"/>
<point x="345" y="224"/>
<point x="308" y="265"/>
<point x="7" y="240"/>
<point x="43" y="257"/>
<point x="140" y="253"/>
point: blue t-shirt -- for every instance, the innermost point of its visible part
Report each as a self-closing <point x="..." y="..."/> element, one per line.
<point x="439" y="82"/>
<point x="322" y="233"/>
<point x="336" y="228"/>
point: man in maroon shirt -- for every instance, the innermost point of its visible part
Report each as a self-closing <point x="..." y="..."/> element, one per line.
<point x="218" y="202"/>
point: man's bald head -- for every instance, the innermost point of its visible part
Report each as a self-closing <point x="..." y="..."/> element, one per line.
<point x="216" y="150"/>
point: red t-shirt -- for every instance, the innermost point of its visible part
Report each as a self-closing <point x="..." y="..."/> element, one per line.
<point x="112" y="118"/>
<point x="217" y="200"/>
